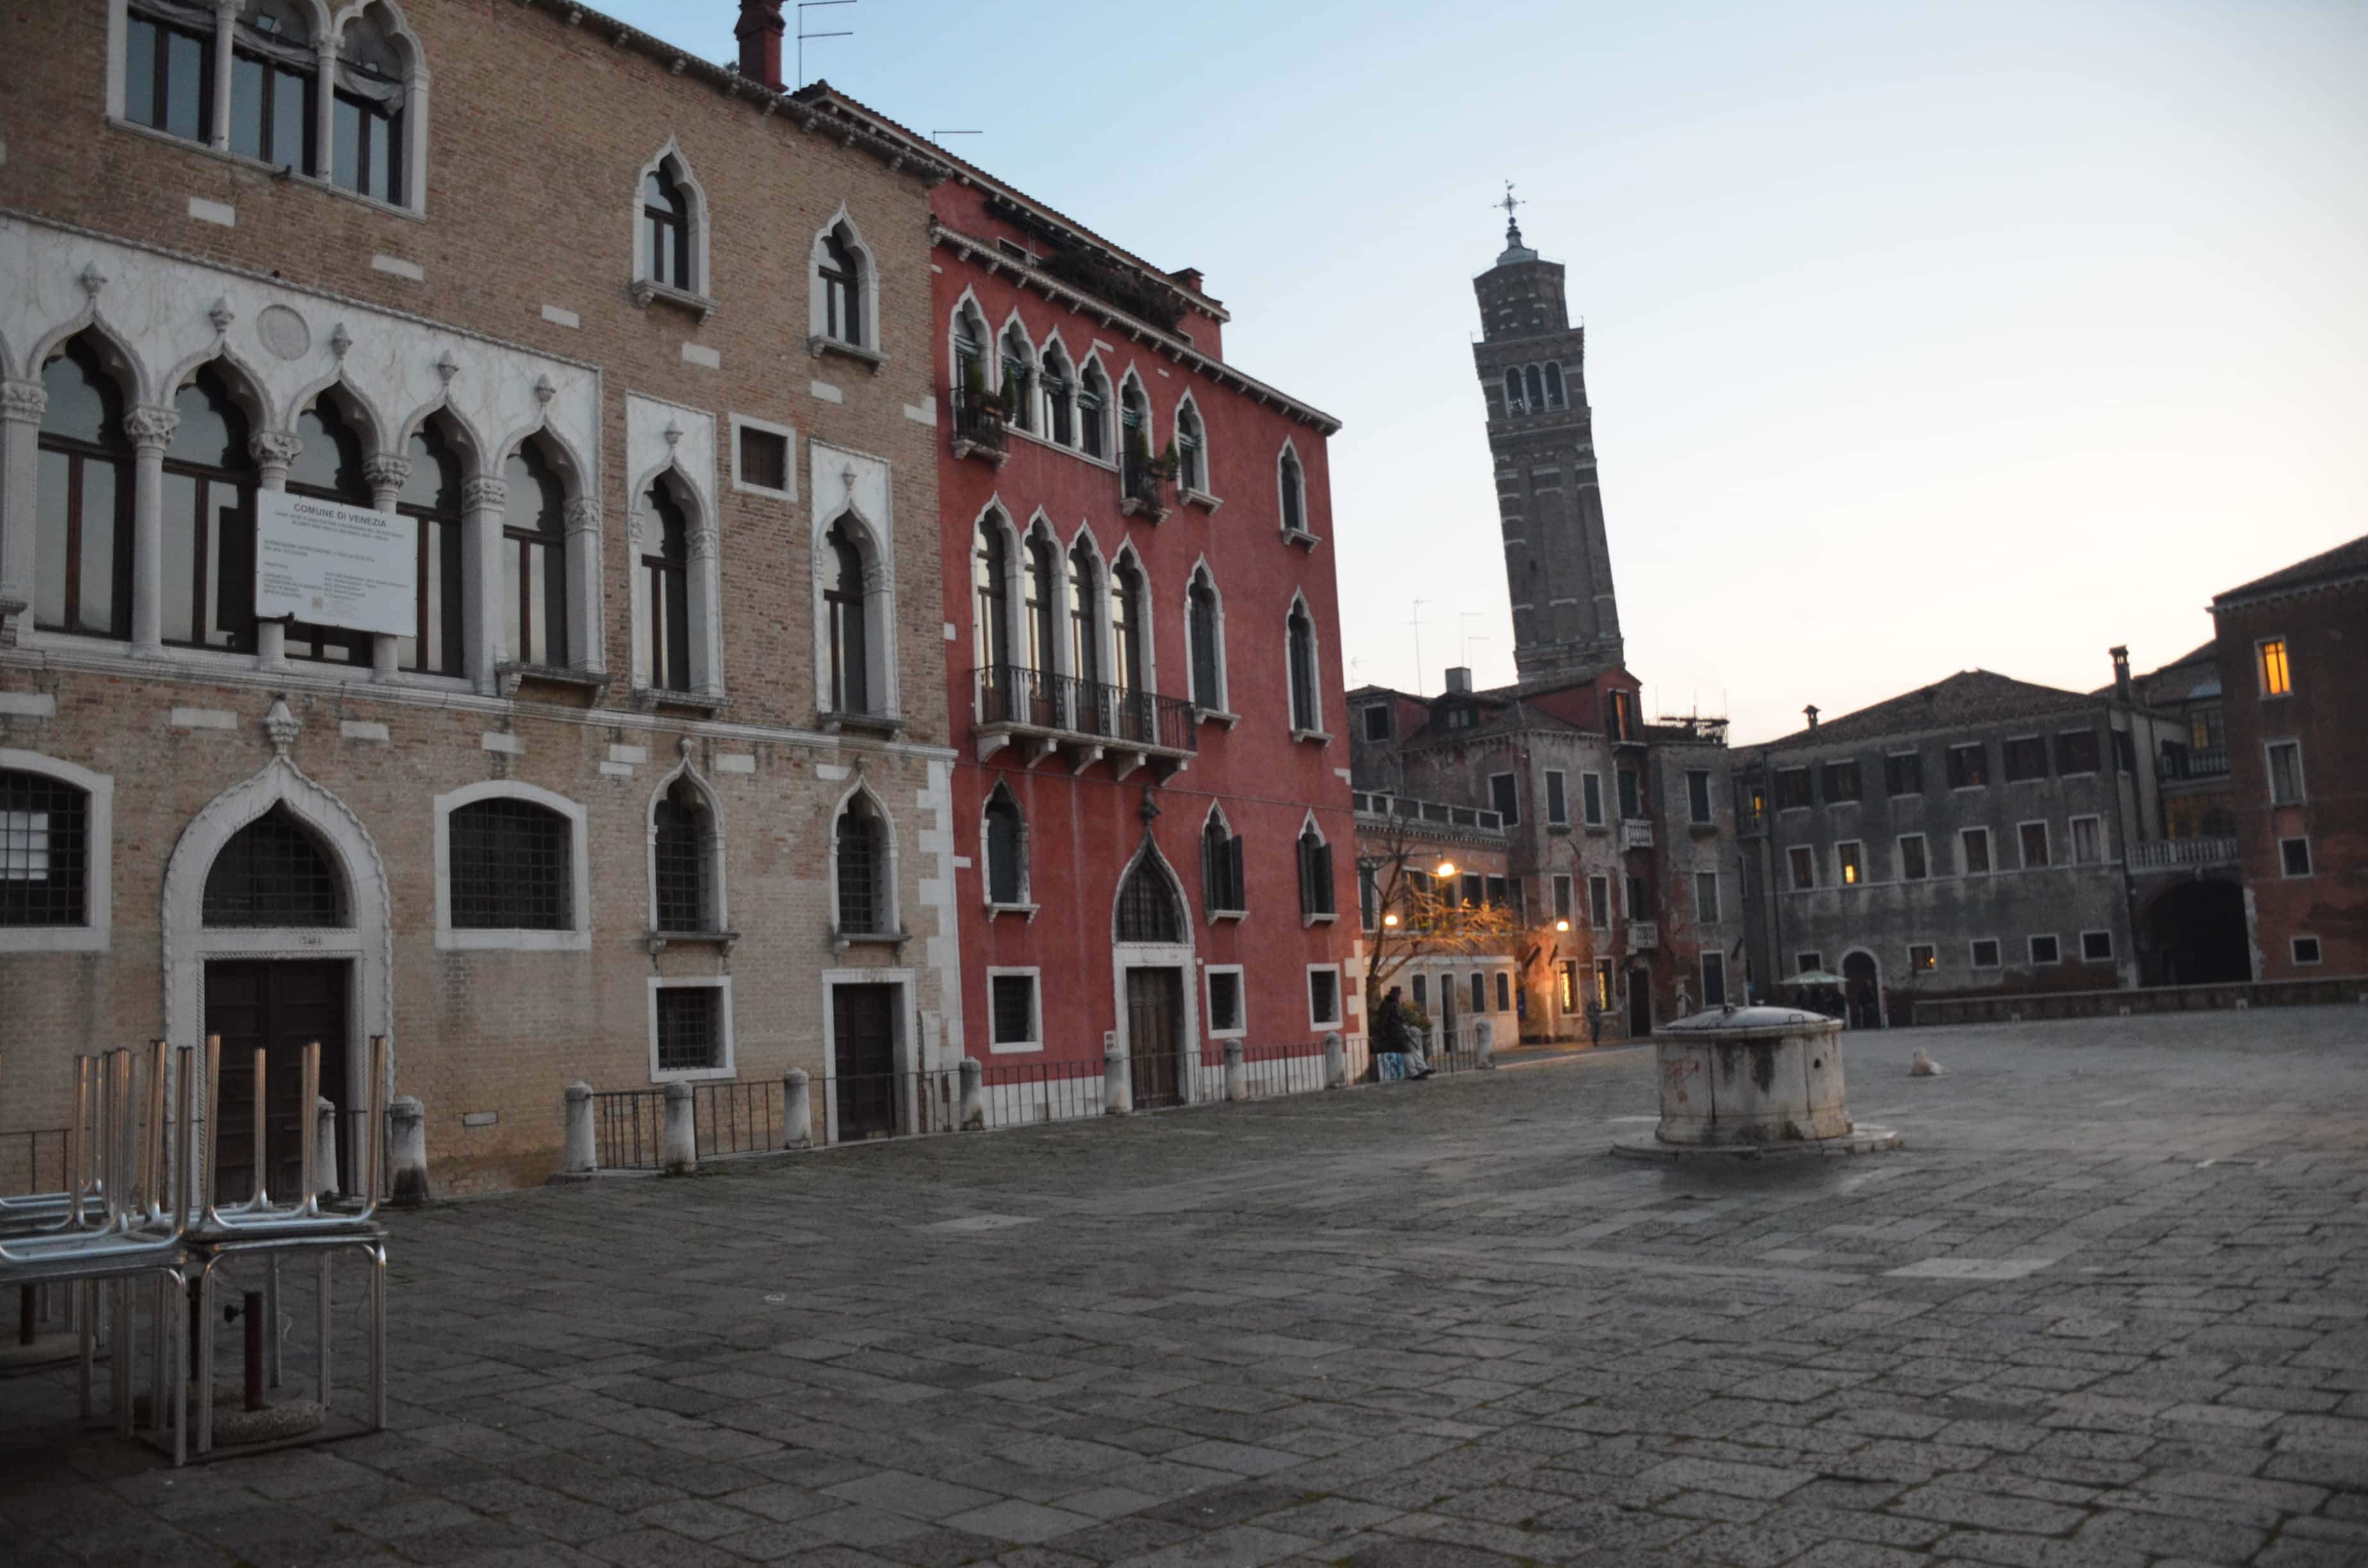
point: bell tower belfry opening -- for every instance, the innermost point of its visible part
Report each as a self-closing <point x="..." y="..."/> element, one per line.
<point x="1532" y="364"/>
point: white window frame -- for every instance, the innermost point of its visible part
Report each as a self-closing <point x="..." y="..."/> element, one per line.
<point x="1793" y="853"/>
<point x="1989" y="852"/>
<point x="1241" y="1001"/>
<point x="1027" y="904"/>
<point x="1315" y="733"/>
<point x="1202" y="574"/>
<point x="716" y="858"/>
<point x="1974" y="954"/>
<point x="2294" y="950"/>
<point x="868" y="265"/>
<point x="1717" y="914"/>
<point x="858" y="486"/>
<point x="574" y="938"/>
<point x="1034" y="1043"/>
<point x="1800" y="967"/>
<point x="2261" y="668"/>
<point x="1339" y="997"/>
<point x="729" y="1065"/>
<point x="2030" y="949"/>
<point x="1205" y="495"/>
<point x="1900" y="851"/>
<point x="2072" y="833"/>
<point x="2047" y="845"/>
<point x="92" y="935"/>
<point x="1305" y="533"/>
<point x="790" y="469"/>
<point x="699" y="294"/>
<point x="2310" y="866"/>
<point x="1513" y="817"/>
<point x="1591" y="799"/>
<point x="1594" y="881"/>
<point x="1841" y="878"/>
<point x="1932" y="947"/>
<point x="1703" y="960"/>
<point x="2083" y="947"/>
<point x="685" y="459"/>
<point x="2269" y="762"/>
<point x="1565" y="897"/>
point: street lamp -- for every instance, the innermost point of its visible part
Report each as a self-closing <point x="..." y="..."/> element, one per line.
<point x="1447" y="868"/>
<point x="1390" y="920"/>
<point x="1562" y="925"/>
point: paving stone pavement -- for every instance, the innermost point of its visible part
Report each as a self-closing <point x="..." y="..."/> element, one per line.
<point x="2109" y="1309"/>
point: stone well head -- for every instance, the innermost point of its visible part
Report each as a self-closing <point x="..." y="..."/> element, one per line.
<point x="1739" y="1077"/>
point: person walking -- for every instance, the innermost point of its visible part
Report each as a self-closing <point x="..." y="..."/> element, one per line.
<point x="1396" y="1055"/>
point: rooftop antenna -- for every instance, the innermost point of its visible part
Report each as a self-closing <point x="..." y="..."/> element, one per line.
<point x="1463" y="618"/>
<point x="803" y="7"/>
<point x="1417" y="624"/>
<point x="934" y="135"/>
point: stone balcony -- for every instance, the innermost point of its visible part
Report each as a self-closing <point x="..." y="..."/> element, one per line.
<point x="2182" y="854"/>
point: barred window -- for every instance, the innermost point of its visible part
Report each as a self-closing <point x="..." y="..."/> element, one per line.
<point x="512" y="866"/>
<point x="44" y="851"/>
<point x="1147" y="909"/>
<point x="681" y="859"/>
<point x="1224" y="1001"/>
<point x="272" y="874"/>
<point x="862" y="901"/>
<point x="1007" y="880"/>
<point x="1014" y="1007"/>
<point x="1323" y="997"/>
<point x="690" y="1028"/>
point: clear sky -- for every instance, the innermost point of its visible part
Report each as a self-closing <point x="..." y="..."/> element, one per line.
<point x="1920" y="336"/>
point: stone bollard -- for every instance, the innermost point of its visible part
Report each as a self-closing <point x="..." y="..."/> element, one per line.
<point x="1238" y="1077"/>
<point x="406" y="1151"/>
<point x="1484" y="1045"/>
<point x="1336" y="1060"/>
<point x="326" y="1142"/>
<point x="797" y="1109"/>
<point x="1118" y="1089"/>
<point x="973" y="1096"/>
<point x="680" y="1139"/>
<point x="583" y="1155"/>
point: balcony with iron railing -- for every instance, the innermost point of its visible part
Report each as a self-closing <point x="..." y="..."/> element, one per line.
<point x="2182" y="854"/>
<point x="1146" y="478"/>
<point x="1089" y="720"/>
<point x="2181" y="765"/>
<point x="978" y="430"/>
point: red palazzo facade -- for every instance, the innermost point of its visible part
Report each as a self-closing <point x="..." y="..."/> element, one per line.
<point x="1153" y="835"/>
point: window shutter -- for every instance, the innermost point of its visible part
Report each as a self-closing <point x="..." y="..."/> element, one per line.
<point x="1320" y="878"/>
<point x="1234" y="883"/>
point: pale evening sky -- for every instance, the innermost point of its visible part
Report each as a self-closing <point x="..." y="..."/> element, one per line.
<point x="1920" y="336"/>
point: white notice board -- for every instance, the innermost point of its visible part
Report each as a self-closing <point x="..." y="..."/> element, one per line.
<point x="336" y="565"/>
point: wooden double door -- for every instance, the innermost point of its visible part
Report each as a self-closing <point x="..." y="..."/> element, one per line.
<point x="863" y="1060"/>
<point x="1155" y="1035"/>
<point x="282" y="1006"/>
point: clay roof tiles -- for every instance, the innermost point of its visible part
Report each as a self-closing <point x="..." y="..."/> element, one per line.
<point x="1964" y="701"/>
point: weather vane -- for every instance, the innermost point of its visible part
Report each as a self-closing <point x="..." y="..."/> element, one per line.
<point x="1511" y="201"/>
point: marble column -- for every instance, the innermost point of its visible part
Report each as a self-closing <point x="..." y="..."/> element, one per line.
<point x="483" y="626"/>
<point x="387" y="475"/>
<point x="22" y="405"/>
<point x="707" y="610"/>
<point x="151" y="430"/>
<point x="225" y="29"/>
<point x="273" y="451"/>
<point x="588" y="647"/>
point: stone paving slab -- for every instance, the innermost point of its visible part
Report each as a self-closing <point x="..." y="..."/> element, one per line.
<point x="2109" y="1307"/>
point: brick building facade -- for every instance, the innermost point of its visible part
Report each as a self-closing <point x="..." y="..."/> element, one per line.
<point x="639" y="354"/>
<point x="1141" y="651"/>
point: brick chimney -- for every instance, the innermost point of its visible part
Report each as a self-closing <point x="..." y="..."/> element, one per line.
<point x="1459" y="679"/>
<point x="759" y="32"/>
<point x="1810" y="712"/>
<point x="2122" y="687"/>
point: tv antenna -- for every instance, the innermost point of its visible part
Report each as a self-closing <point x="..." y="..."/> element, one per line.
<point x="1462" y="620"/>
<point x="934" y="135"/>
<point x="803" y="7"/>
<point x="1417" y="624"/>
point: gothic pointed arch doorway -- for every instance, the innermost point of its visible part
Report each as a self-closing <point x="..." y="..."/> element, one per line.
<point x="1151" y="957"/>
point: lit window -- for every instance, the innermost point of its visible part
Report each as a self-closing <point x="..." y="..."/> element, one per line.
<point x="1923" y="958"/>
<point x="2277" y="675"/>
<point x="1847" y="854"/>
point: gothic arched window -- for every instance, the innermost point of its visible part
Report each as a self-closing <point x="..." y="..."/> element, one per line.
<point x="1006" y="868"/>
<point x="850" y="632"/>
<point x="367" y="119"/>
<point x="1085" y="639"/>
<point x="1292" y="481"/>
<point x="666" y="568"/>
<point x="208" y="573"/>
<point x="841" y="273"/>
<point x="863" y="872"/>
<point x="431" y="501"/>
<point x="1018" y="371"/>
<point x="1060" y="397"/>
<point x="1304" y="710"/>
<point x="1208" y="651"/>
<point x="1093" y="412"/>
<point x="1044" y="603"/>
<point x="682" y="836"/>
<point x="990" y="572"/>
<point x="1126" y="611"/>
<point x="272" y="873"/>
<point x="534" y="559"/>
<point x="82" y="489"/>
<point x="329" y="465"/>
<point x="1191" y="450"/>
<point x="274" y="74"/>
<point x="665" y="213"/>
<point x="1147" y="906"/>
<point x="1223" y="886"/>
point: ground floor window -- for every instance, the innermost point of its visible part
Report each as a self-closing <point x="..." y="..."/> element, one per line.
<point x="1713" y="973"/>
<point x="1012" y="1001"/>
<point x="690" y="1028"/>
<point x="1324" y="996"/>
<point x="1225" y="1002"/>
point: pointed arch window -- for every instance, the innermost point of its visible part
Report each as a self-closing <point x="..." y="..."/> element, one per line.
<point x="1208" y="649"/>
<point x="1093" y="412"/>
<point x="840" y="272"/>
<point x="207" y="576"/>
<point x="1018" y="372"/>
<point x="274" y="76"/>
<point x="1302" y="635"/>
<point x="431" y="501"/>
<point x="1060" y="397"/>
<point x="666" y="575"/>
<point x="82" y="488"/>
<point x="1006" y="850"/>
<point x="369" y="113"/>
<point x="1315" y="875"/>
<point x="862" y="872"/>
<point x="850" y="631"/>
<point x="1223" y="887"/>
<point x="169" y="74"/>
<point x="665" y="217"/>
<point x="1132" y="673"/>
<point x="1554" y="386"/>
<point x="1291" y="481"/>
<point x="990" y="575"/>
<point x="272" y="874"/>
<point x="534" y="559"/>
<point x="328" y="465"/>
<point x="970" y="355"/>
<point x="1044" y="603"/>
<point x="1191" y="450"/>
<point x="682" y="860"/>
<point x="1084" y="639"/>
<point x="1146" y="904"/>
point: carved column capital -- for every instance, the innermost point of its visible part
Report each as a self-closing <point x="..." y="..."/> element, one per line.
<point x="273" y="450"/>
<point x="704" y="542"/>
<point x="151" y="429"/>
<point x="23" y="402"/>
<point x="386" y="475"/>
<point x="583" y="515"/>
<point x="485" y="493"/>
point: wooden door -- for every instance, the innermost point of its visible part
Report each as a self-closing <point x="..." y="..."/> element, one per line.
<point x="1154" y="1033"/>
<point x="282" y="1006"/>
<point x="1640" y="1002"/>
<point x="863" y="1060"/>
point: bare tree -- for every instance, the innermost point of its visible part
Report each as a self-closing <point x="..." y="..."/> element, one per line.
<point x="1421" y="914"/>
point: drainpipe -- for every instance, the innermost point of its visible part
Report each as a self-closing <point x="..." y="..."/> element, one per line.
<point x="2124" y="693"/>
